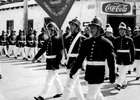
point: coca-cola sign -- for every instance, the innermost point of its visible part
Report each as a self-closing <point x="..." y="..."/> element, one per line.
<point x="116" y="7"/>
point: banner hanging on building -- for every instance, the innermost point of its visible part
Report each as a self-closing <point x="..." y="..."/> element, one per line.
<point x="56" y="9"/>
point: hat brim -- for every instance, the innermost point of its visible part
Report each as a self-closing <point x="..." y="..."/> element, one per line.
<point x="91" y="24"/>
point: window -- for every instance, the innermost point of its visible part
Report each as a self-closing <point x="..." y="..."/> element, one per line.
<point x="10" y="25"/>
<point x="30" y="23"/>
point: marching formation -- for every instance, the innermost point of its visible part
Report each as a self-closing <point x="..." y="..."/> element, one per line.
<point x="95" y="50"/>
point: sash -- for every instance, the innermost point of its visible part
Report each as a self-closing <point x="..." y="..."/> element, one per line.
<point x="72" y="45"/>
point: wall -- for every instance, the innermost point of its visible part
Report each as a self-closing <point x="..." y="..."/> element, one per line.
<point x="80" y="9"/>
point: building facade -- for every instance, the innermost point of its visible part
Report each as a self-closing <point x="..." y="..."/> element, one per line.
<point x="110" y="11"/>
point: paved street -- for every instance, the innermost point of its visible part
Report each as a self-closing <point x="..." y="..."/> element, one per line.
<point x="22" y="80"/>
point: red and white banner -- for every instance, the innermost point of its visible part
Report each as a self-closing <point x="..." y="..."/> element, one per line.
<point x="56" y="9"/>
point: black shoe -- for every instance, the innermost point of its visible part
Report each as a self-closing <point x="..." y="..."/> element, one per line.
<point x="117" y="75"/>
<point x="39" y="61"/>
<point x="124" y="86"/>
<point x="57" y="95"/>
<point x="137" y="78"/>
<point x="129" y="72"/>
<point x="39" y="98"/>
<point x="7" y="56"/>
<point x="106" y="78"/>
<point x="118" y="87"/>
<point x="134" y="69"/>
<point x="15" y="57"/>
<point x="25" y="59"/>
<point x="0" y="77"/>
<point x="29" y="57"/>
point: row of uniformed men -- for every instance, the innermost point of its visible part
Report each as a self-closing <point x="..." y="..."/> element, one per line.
<point x="21" y="44"/>
<point x="96" y="50"/>
<point x="134" y="36"/>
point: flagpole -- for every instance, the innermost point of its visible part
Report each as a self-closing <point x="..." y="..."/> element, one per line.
<point x="25" y="15"/>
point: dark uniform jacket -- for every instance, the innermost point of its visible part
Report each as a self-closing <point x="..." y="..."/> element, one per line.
<point x="41" y="40"/>
<point x="21" y="40"/>
<point x="111" y="38"/>
<point x="3" y="40"/>
<point x="68" y="41"/>
<point x="137" y="46"/>
<point x="123" y="44"/>
<point x="52" y="46"/>
<point x="31" y="40"/>
<point x="12" y="39"/>
<point x="96" y="50"/>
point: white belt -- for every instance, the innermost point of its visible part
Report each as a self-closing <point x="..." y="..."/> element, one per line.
<point x="21" y="41"/>
<point x="72" y="55"/>
<point x="51" y="57"/>
<point x="123" y="51"/>
<point x="137" y="49"/>
<point x="97" y="63"/>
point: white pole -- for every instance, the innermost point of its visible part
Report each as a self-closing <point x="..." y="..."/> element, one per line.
<point x="25" y="24"/>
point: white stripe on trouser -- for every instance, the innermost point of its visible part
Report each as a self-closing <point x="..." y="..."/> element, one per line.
<point x="106" y="69"/>
<point x="122" y="74"/>
<point x="0" y="68"/>
<point x="20" y="51"/>
<point x="4" y="48"/>
<point x="52" y="77"/>
<point x="0" y="49"/>
<point x="11" y="49"/>
<point x="30" y="51"/>
<point x="73" y="84"/>
<point x="137" y="64"/>
<point x="94" y="92"/>
<point x="130" y="67"/>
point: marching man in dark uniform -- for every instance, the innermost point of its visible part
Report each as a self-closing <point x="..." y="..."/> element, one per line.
<point x="53" y="48"/>
<point x="95" y="49"/>
<point x="124" y="47"/>
<point x="129" y="34"/>
<point x="4" y="42"/>
<point x="31" y="40"/>
<point x="72" y="44"/>
<point x="109" y="36"/>
<point x="41" y="40"/>
<point x="20" y="44"/>
<point x="137" y="50"/>
<point x="12" y="43"/>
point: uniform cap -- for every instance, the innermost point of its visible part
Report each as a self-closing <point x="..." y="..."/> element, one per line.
<point x="128" y="28"/>
<point x="122" y="25"/>
<point x="97" y="22"/>
<point x="109" y="29"/>
<point x="136" y="29"/>
<point x="75" y="21"/>
<point x="107" y="25"/>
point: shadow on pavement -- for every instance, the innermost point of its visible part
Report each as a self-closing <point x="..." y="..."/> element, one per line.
<point x="61" y="73"/>
<point x="35" y="66"/>
<point x="39" y="69"/>
<point x="49" y="98"/>
<point x="108" y="92"/>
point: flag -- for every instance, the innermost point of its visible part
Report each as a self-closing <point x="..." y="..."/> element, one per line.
<point x="56" y="9"/>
